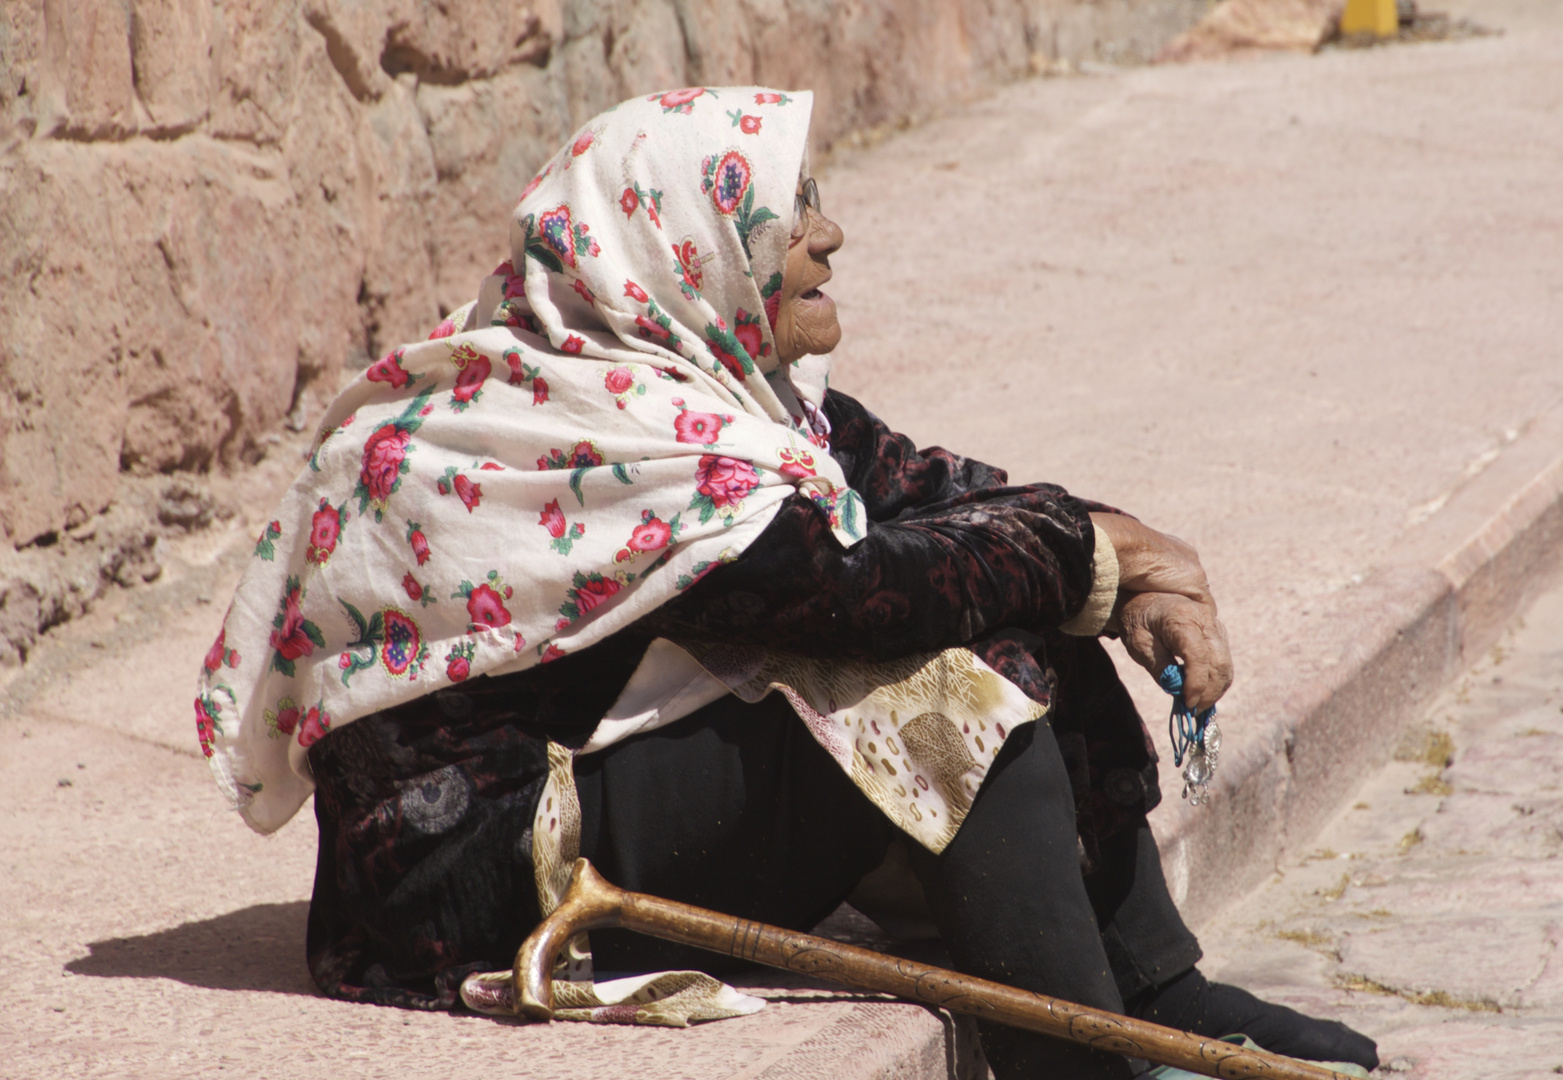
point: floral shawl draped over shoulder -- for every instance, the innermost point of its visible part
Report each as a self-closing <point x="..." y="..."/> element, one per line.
<point x="605" y="424"/>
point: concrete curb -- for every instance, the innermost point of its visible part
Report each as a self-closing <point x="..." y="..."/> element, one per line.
<point x="1313" y="730"/>
<point x="1309" y="733"/>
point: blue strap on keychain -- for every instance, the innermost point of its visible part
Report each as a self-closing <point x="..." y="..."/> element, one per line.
<point x="1194" y="736"/>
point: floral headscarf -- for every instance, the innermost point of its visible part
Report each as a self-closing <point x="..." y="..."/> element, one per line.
<point x="604" y="425"/>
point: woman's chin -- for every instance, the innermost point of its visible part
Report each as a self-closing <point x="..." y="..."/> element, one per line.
<point x="818" y="327"/>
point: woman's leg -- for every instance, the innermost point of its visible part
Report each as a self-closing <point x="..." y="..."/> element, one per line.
<point x="1009" y="901"/>
<point x="1145" y="938"/>
<point x="1153" y="956"/>
<point x="734" y="808"/>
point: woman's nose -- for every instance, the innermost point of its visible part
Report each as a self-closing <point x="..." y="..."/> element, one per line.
<point x="825" y="236"/>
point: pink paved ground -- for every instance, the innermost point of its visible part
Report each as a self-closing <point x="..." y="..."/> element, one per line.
<point x="1303" y="311"/>
<point x="1430" y="910"/>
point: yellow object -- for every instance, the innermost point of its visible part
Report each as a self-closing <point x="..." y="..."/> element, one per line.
<point x="1376" y="17"/>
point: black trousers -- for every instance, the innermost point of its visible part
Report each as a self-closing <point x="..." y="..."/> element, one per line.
<point x="737" y="808"/>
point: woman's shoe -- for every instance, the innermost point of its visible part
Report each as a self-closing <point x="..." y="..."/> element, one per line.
<point x="1169" y="1072"/>
<point x="1192" y="1003"/>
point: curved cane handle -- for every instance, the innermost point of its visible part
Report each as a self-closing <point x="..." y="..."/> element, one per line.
<point x="590" y="903"/>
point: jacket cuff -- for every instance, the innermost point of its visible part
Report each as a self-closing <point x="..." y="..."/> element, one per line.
<point x="1104" y="591"/>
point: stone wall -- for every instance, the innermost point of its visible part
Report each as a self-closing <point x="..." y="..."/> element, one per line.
<point x="209" y="209"/>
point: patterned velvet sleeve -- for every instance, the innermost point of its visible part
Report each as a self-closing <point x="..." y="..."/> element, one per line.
<point x="952" y="555"/>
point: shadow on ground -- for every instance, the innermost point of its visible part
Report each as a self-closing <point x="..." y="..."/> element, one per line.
<point x="255" y="948"/>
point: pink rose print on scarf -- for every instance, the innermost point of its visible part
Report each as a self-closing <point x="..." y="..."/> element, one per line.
<point x="749" y="125"/>
<point x="620" y="382"/>
<point x="587" y="592"/>
<point x="724" y="345"/>
<point x="418" y="542"/>
<point x="556" y="240"/>
<point x="388" y="369"/>
<point x="292" y="635"/>
<point x="284" y="721"/>
<point x="771" y="99"/>
<point x="750" y="335"/>
<point x="572" y="344"/>
<point x="549" y="654"/>
<point x="657" y="326"/>
<point x="539" y="390"/>
<point x="585" y="294"/>
<point x="583" y="143"/>
<point x="797" y="464"/>
<point x="207" y="727"/>
<point x="681" y="101"/>
<point x="469" y="493"/>
<point x="635" y="292"/>
<point x="564" y="534"/>
<point x="485" y="603"/>
<point x="698" y="427"/>
<point x="266" y="546"/>
<point x="219" y="654"/>
<point x="652" y="534"/>
<point x="472" y="370"/>
<point x="324" y="530"/>
<point x="458" y="662"/>
<point x="727" y="179"/>
<point x="385" y="457"/>
<point x="314" y="726"/>
<point x="444" y="330"/>
<point x="721" y="483"/>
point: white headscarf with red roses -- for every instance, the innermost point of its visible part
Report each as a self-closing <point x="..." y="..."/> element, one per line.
<point x="607" y="423"/>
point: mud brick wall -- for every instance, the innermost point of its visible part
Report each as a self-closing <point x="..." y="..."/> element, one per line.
<point x="211" y="209"/>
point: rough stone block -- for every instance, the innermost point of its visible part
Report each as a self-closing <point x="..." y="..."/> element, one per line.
<point x="171" y="51"/>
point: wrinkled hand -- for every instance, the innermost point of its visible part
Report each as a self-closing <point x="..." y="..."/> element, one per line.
<point x="1151" y="561"/>
<point x="1158" y="627"/>
<point x="1165" y="609"/>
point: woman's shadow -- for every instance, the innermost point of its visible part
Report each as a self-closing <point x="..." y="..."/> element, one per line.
<point x="255" y="948"/>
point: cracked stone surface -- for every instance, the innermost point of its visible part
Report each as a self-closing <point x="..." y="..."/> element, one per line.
<point x="1429" y="913"/>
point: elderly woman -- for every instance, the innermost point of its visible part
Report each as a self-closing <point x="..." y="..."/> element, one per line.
<point x="604" y="569"/>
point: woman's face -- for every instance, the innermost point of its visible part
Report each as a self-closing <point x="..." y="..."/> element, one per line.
<point x="806" y="318"/>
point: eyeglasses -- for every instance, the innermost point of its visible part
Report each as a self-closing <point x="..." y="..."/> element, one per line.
<point x="807" y="199"/>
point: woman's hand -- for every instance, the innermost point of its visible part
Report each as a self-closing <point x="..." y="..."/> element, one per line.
<point x="1157" y="627"/>
<point x="1151" y="561"/>
<point x="1165" y="609"/>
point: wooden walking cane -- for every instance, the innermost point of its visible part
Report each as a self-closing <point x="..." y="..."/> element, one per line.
<point x="592" y="903"/>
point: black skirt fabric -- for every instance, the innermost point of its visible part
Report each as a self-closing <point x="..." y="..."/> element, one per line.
<point x="425" y="812"/>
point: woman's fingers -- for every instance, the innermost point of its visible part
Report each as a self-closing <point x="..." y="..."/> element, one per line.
<point x="1156" y="628"/>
